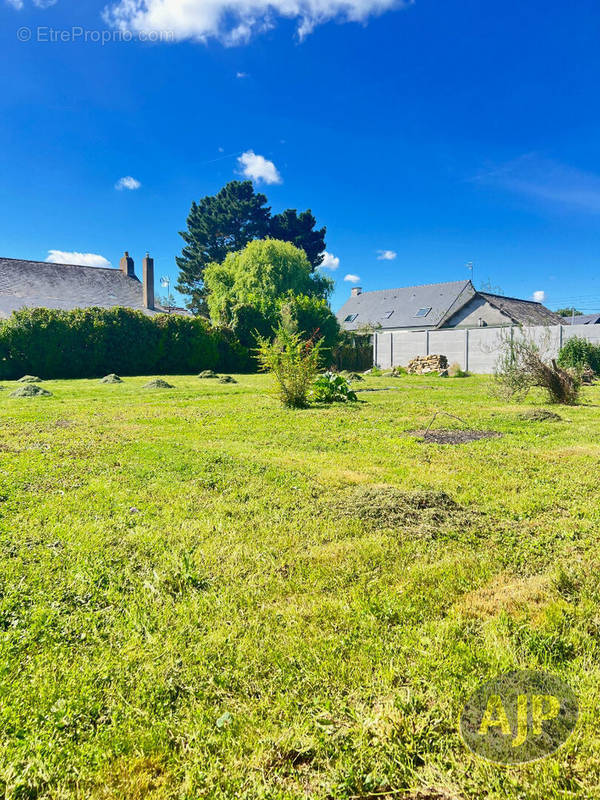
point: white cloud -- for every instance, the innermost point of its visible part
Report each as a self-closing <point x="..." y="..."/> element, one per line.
<point x="329" y="261"/>
<point x="539" y="296"/>
<point x="19" y="4"/>
<point x="235" y="21"/>
<point x="386" y="255"/>
<point x="83" y="259"/>
<point x="127" y="183"/>
<point x="258" y="168"/>
<point x="351" y="278"/>
<point x="241" y="74"/>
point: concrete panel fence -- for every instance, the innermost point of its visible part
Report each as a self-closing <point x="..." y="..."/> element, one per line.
<point x="475" y="349"/>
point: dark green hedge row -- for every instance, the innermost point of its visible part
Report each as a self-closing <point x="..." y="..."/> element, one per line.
<point x="355" y="357"/>
<point x="91" y="342"/>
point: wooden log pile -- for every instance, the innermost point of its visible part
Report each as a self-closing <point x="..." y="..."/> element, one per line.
<point x="421" y="365"/>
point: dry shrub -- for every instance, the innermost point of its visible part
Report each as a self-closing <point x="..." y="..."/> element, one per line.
<point x="456" y="371"/>
<point x="521" y="367"/>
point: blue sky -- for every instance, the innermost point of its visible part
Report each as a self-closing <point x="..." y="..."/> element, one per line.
<point x="442" y="132"/>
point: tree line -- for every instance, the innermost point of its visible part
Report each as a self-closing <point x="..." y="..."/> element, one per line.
<point x="226" y="222"/>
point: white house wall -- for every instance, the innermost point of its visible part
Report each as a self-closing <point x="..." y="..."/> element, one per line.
<point x="475" y="349"/>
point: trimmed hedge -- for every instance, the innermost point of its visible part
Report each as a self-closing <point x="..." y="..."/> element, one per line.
<point x="91" y="342"/>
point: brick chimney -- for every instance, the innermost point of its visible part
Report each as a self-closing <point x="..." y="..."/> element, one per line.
<point x="126" y="265"/>
<point x="148" y="281"/>
<point x="355" y="291"/>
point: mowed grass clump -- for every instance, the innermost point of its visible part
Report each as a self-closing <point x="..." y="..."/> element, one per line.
<point x="389" y="507"/>
<point x="30" y="390"/>
<point x="205" y="595"/>
<point x="158" y="383"/>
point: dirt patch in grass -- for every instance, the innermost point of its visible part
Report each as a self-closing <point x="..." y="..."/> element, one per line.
<point x="388" y="507"/>
<point x="518" y="597"/>
<point x="30" y="390"/>
<point x="540" y="415"/>
<point x="158" y="384"/>
<point x="444" y="436"/>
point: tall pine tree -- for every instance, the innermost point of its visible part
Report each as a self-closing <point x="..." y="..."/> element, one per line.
<point x="299" y="229"/>
<point x="217" y="225"/>
<point x="225" y="223"/>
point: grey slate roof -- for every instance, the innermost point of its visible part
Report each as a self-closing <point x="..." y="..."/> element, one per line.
<point x="38" y="284"/>
<point x="523" y="312"/>
<point x="444" y="299"/>
<point x="583" y="319"/>
<point x="373" y="308"/>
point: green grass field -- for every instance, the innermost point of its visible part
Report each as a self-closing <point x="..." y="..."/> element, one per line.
<point x="204" y="595"/>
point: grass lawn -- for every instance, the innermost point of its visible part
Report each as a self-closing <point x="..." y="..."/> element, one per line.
<point x="204" y="595"/>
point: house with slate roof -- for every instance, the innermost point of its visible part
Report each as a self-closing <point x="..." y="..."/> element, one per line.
<point x="39" y="284"/>
<point x="434" y="306"/>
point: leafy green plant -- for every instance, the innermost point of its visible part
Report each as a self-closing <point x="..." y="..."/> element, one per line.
<point x="331" y="387"/>
<point x="293" y="361"/>
<point x="578" y="353"/>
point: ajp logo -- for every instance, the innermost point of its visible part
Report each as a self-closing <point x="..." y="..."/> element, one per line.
<point x="520" y="716"/>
